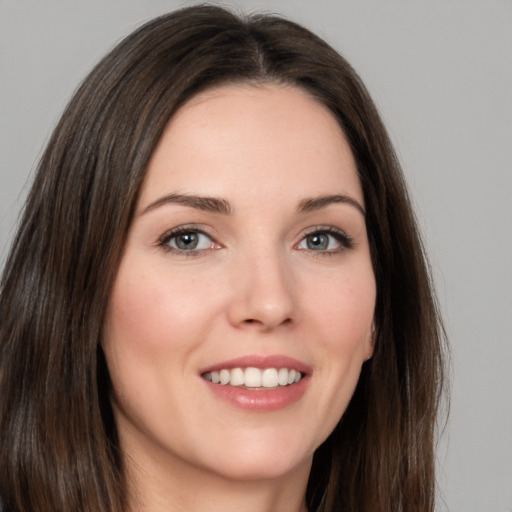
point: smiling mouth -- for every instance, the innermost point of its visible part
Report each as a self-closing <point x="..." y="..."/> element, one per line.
<point x="254" y="378"/>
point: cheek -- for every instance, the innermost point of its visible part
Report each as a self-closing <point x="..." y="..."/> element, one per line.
<point x="344" y="330"/>
<point x="150" y="313"/>
<point x="153" y="328"/>
<point x="345" y="310"/>
<point x="150" y="331"/>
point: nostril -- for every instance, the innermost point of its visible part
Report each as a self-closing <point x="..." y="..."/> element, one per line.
<point x="266" y="325"/>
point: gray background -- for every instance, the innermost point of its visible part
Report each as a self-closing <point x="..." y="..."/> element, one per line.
<point x="441" y="74"/>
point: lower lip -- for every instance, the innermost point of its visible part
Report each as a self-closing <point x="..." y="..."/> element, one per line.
<point x="260" y="400"/>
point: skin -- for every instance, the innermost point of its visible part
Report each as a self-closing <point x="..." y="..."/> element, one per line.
<point x="255" y="285"/>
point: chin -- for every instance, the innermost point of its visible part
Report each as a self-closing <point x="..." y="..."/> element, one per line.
<point x="261" y="459"/>
<point x="263" y="469"/>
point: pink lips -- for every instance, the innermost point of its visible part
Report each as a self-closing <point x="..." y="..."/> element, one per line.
<point x="255" y="361"/>
<point x="260" y="400"/>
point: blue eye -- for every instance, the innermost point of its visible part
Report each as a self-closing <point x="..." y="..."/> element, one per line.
<point x="187" y="240"/>
<point x="325" y="240"/>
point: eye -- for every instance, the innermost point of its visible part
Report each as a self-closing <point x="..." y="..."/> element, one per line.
<point x="187" y="240"/>
<point x="327" y="240"/>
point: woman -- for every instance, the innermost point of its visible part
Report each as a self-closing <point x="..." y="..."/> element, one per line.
<point x="217" y="295"/>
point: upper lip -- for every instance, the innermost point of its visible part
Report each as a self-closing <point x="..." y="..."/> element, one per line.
<point x="261" y="362"/>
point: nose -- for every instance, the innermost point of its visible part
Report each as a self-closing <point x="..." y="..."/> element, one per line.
<point x="263" y="292"/>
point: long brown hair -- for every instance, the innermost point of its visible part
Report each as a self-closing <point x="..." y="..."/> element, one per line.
<point x="59" y="448"/>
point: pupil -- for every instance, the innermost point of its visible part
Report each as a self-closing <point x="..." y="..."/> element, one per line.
<point x="187" y="241"/>
<point x="318" y="242"/>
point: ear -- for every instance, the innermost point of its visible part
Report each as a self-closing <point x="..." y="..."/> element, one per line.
<point x="371" y="343"/>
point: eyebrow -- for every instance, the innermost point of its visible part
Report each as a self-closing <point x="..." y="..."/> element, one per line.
<point x="208" y="204"/>
<point x="218" y="205"/>
<point x="317" y="203"/>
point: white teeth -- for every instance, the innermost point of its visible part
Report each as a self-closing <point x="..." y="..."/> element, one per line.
<point x="254" y="377"/>
<point x="224" y="377"/>
<point x="237" y="377"/>
<point x="283" y="376"/>
<point x="269" y="378"/>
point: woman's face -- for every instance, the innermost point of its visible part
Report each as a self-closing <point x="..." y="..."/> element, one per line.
<point x="247" y="261"/>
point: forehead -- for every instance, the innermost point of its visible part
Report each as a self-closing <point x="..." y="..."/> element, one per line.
<point x="272" y="136"/>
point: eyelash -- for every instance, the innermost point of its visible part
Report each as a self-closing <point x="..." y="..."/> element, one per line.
<point x="345" y="241"/>
<point x="168" y="236"/>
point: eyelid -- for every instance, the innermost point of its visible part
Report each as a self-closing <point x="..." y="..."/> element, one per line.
<point x="346" y="242"/>
<point x="164" y="239"/>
